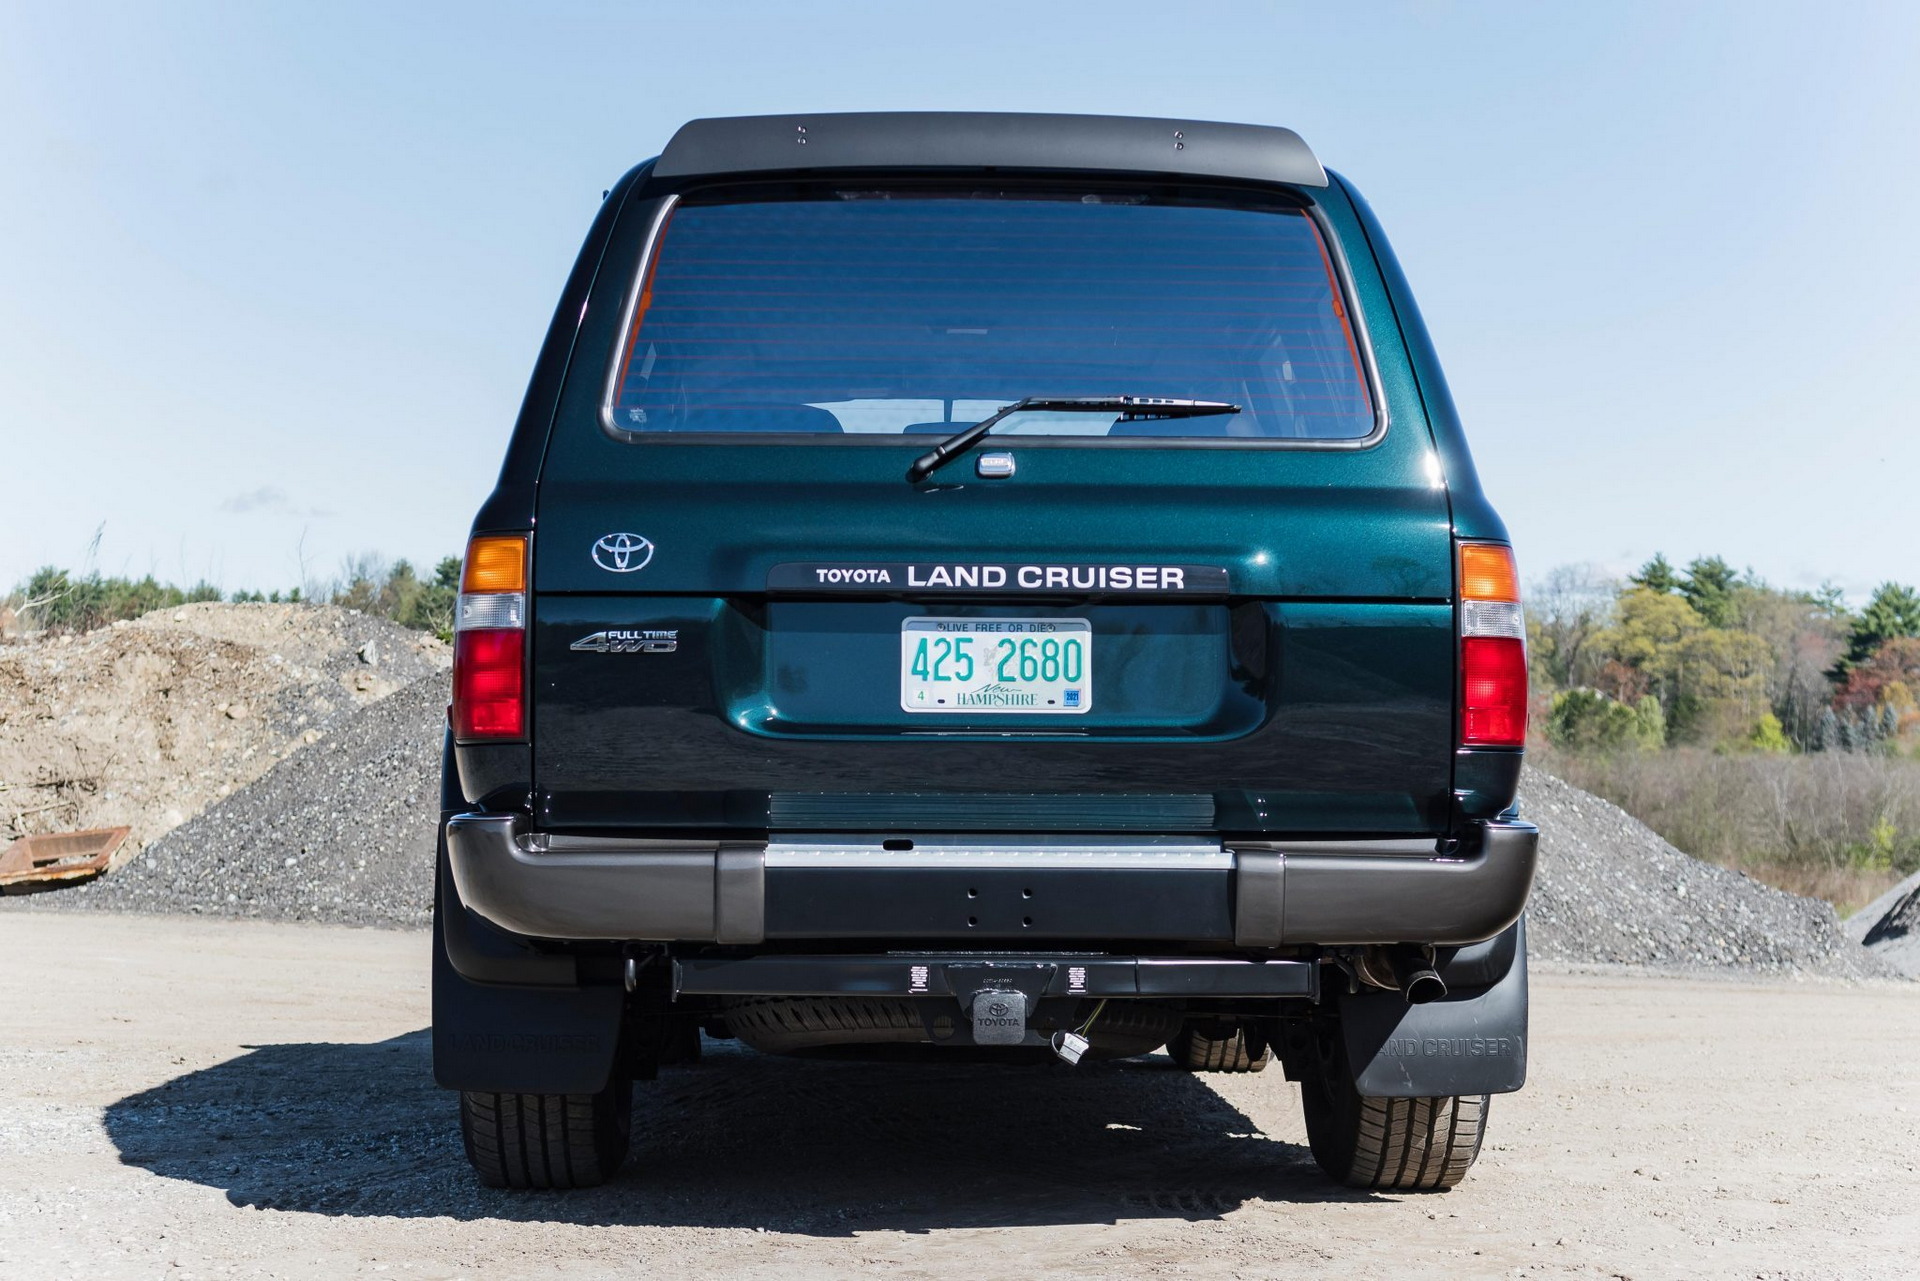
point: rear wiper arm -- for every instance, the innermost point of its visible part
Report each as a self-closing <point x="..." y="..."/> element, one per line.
<point x="1130" y="408"/>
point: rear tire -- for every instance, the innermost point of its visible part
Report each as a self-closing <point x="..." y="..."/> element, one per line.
<point x="1213" y="1047"/>
<point x="1400" y="1144"/>
<point x="547" y="1140"/>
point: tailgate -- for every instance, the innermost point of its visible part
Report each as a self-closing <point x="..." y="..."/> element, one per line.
<point x="1264" y="642"/>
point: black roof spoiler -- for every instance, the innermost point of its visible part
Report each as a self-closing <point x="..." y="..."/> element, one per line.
<point x="983" y="140"/>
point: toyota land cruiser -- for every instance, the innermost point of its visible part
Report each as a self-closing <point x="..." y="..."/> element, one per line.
<point x="981" y="581"/>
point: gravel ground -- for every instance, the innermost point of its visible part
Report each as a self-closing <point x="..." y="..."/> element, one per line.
<point x="342" y="831"/>
<point x="209" y="1098"/>
<point x="1610" y="891"/>
<point x="1890" y="926"/>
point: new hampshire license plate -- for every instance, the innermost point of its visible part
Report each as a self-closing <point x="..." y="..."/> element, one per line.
<point x="1025" y="665"/>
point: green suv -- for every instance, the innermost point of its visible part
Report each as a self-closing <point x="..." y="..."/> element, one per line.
<point x="1010" y="585"/>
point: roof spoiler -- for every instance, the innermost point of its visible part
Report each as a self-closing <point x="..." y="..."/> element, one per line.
<point x="989" y="140"/>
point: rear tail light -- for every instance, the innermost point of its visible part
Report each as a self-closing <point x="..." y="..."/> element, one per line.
<point x="489" y="685"/>
<point x="490" y="641"/>
<point x="1493" y="649"/>
<point x="1493" y="686"/>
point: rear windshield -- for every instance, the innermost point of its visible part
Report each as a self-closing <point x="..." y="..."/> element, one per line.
<point x="881" y="314"/>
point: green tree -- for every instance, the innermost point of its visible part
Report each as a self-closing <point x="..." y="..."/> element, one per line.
<point x="1720" y="684"/>
<point x="1709" y="587"/>
<point x="1829" y="600"/>
<point x="1650" y="721"/>
<point x="59" y="600"/>
<point x="1893" y="613"/>
<point x="396" y="591"/>
<point x="400" y="594"/>
<point x="1768" y="736"/>
<point x="1657" y="575"/>
<point x="1585" y="720"/>
<point x="430" y="605"/>
<point x="1648" y="630"/>
<point x="1712" y="682"/>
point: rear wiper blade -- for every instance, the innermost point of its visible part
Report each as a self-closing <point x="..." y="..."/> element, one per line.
<point x="1130" y="409"/>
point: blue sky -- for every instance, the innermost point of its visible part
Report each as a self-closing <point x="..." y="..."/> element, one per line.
<point x="274" y="277"/>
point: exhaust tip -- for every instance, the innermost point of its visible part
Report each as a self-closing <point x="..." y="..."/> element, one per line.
<point x="1422" y="986"/>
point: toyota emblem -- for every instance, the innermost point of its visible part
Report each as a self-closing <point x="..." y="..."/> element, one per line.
<point x="622" y="553"/>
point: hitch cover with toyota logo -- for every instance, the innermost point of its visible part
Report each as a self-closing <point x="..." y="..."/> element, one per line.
<point x="999" y="1017"/>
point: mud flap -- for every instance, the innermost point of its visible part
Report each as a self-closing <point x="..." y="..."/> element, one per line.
<point x="1471" y="1041"/>
<point x="521" y="1040"/>
<point x="534" y="1028"/>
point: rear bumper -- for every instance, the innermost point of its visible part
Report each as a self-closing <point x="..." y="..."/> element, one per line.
<point x="1245" y="894"/>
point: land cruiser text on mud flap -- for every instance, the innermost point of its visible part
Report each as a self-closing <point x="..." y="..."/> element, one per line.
<point x="1005" y="584"/>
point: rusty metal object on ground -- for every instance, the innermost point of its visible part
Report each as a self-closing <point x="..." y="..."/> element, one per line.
<point x="53" y="859"/>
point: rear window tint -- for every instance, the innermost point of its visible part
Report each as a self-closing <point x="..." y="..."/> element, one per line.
<point x="881" y="314"/>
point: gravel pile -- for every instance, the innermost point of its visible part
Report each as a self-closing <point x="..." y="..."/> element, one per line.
<point x="341" y="831"/>
<point x="1609" y="890"/>
<point x="146" y="723"/>
<point x="1889" y="926"/>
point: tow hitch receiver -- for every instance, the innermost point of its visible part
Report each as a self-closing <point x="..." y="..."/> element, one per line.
<point x="999" y="1017"/>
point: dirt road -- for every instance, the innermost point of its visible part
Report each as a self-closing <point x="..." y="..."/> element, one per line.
<point x="186" y="1098"/>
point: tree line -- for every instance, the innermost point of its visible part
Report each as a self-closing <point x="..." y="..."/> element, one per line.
<point x="60" y="600"/>
<point x="1715" y="657"/>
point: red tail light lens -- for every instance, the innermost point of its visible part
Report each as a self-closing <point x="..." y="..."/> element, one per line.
<point x="1493" y="691"/>
<point x="489" y="685"/>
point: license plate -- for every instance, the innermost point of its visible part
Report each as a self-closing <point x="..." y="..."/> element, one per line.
<point x="1027" y="666"/>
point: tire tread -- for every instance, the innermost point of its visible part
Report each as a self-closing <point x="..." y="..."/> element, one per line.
<point x="545" y="1140"/>
<point x="1197" y="1051"/>
<point x="1414" y="1144"/>
<point x="1417" y="1144"/>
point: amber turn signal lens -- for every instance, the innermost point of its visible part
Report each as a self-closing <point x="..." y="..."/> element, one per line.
<point x="496" y="563"/>
<point x="1487" y="572"/>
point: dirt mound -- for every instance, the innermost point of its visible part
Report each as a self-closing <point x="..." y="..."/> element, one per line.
<point x="341" y="831"/>
<point x="146" y="723"/>
<point x="1610" y="890"/>
<point x="1889" y="927"/>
